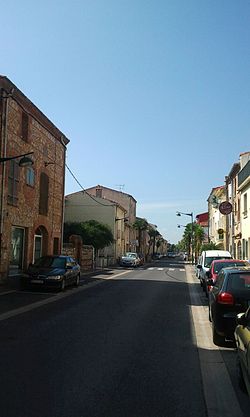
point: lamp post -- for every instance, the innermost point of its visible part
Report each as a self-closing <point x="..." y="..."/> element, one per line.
<point x="24" y="161"/>
<point x="179" y="213"/>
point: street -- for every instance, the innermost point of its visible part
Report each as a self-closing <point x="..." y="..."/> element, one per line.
<point x="121" y="345"/>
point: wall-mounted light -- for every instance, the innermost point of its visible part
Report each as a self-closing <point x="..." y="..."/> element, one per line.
<point x="25" y="161"/>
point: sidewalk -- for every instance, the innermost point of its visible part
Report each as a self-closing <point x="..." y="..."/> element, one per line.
<point x="13" y="282"/>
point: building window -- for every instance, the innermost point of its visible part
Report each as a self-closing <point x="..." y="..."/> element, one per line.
<point x="17" y="248"/>
<point x="44" y="194"/>
<point x="98" y="192"/>
<point x="243" y="249"/>
<point x="56" y="246"/>
<point x="13" y="181"/>
<point x="30" y="176"/>
<point x="245" y="205"/>
<point x="25" y="127"/>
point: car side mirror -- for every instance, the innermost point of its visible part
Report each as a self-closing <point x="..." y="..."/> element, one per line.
<point x="241" y="319"/>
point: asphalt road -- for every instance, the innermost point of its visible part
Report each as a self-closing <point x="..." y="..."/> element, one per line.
<point x="125" y="348"/>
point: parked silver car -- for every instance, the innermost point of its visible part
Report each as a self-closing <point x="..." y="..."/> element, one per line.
<point x="130" y="259"/>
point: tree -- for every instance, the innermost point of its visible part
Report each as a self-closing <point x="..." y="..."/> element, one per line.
<point x="153" y="233"/>
<point x="140" y="225"/>
<point x="193" y="233"/>
<point x="92" y="233"/>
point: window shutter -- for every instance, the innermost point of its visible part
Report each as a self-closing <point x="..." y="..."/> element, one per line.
<point x="25" y="126"/>
<point x="44" y="194"/>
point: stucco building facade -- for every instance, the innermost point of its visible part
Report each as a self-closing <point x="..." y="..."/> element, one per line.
<point x="244" y="190"/>
<point x="81" y="206"/>
<point x="129" y="204"/>
<point x="216" y="220"/>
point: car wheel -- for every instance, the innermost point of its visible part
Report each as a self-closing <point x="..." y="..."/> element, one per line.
<point x="209" y="315"/>
<point x="206" y="290"/>
<point x="77" y="281"/>
<point x="62" y="287"/>
<point x="218" y="340"/>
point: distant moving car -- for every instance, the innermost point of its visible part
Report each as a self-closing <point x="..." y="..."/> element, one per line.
<point x="229" y="296"/>
<point x="130" y="259"/>
<point x="216" y="267"/>
<point x="52" y="271"/>
<point x="171" y="255"/>
<point x="242" y="338"/>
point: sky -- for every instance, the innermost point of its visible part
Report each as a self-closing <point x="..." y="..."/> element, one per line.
<point x="154" y="95"/>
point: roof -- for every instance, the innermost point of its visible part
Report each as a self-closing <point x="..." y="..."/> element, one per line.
<point x="216" y="261"/>
<point x="97" y="199"/>
<point x="237" y="269"/>
<point x="112" y="189"/>
<point x="30" y="108"/>
<point x="202" y="219"/>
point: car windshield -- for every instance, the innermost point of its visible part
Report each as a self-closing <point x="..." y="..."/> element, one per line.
<point x="239" y="282"/>
<point x="210" y="259"/>
<point x="130" y="255"/>
<point x="50" y="262"/>
<point x="218" y="266"/>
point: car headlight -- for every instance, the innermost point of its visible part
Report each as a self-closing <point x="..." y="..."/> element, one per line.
<point x="55" y="277"/>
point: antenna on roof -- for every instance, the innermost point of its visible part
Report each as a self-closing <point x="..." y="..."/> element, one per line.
<point x="121" y="186"/>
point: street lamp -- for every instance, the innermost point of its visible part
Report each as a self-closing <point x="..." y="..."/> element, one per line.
<point x="25" y="161"/>
<point x="179" y="213"/>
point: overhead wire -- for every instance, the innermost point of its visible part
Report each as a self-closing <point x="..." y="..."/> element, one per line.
<point x="83" y="189"/>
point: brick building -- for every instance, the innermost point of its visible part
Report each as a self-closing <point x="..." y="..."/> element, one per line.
<point x="31" y="198"/>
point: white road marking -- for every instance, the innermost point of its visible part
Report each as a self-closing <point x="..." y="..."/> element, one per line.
<point x="160" y="269"/>
<point x="171" y="269"/>
<point x="7" y="292"/>
<point x="150" y="269"/>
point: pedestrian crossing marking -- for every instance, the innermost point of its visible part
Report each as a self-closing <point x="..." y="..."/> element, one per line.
<point x="152" y="268"/>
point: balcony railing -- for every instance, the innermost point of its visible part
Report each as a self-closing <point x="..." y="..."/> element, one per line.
<point x="244" y="174"/>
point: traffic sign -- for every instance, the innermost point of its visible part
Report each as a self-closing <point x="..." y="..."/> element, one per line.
<point x="225" y="207"/>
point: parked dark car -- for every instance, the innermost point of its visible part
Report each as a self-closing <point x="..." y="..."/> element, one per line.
<point x="216" y="267"/>
<point x="229" y="296"/>
<point x="242" y="338"/>
<point x="55" y="271"/>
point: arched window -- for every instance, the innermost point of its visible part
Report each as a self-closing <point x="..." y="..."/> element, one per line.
<point x="44" y="194"/>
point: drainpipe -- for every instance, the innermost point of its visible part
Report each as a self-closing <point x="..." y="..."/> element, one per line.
<point x="63" y="187"/>
<point x="5" y="104"/>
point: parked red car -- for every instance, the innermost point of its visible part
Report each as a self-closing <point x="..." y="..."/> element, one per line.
<point x="216" y="267"/>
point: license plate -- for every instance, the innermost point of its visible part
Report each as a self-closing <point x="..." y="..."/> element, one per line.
<point x="36" y="281"/>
